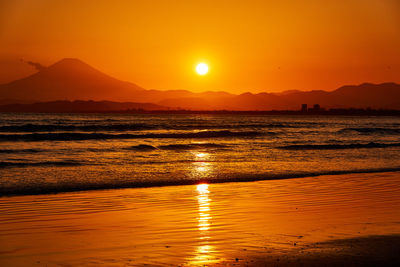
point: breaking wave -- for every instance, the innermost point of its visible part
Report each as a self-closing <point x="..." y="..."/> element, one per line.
<point x="191" y="146"/>
<point x="142" y="148"/>
<point x="121" y="127"/>
<point x="83" y="128"/>
<point x="177" y="147"/>
<point x="17" y="151"/>
<point x="10" y="164"/>
<point x="339" y="146"/>
<point x="104" y="136"/>
<point x="371" y="130"/>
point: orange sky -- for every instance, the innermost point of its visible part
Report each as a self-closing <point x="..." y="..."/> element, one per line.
<point x="249" y="45"/>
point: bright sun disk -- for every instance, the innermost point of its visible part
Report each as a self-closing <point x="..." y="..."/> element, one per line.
<point x="202" y="69"/>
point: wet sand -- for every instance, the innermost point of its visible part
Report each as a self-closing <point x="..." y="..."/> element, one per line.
<point x="351" y="220"/>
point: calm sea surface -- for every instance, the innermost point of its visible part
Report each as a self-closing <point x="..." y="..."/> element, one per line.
<point x="45" y="153"/>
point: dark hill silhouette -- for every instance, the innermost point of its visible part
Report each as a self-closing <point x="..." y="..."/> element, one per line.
<point x="72" y="79"/>
<point x="68" y="79"/>
<point x="79" y="106"/>
<point x="385" y="95"/>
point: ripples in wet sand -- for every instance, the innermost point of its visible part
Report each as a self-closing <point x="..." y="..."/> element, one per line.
<point x="207" y="224"/>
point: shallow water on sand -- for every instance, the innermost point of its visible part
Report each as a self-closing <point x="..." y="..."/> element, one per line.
<point x="195" y="224"/>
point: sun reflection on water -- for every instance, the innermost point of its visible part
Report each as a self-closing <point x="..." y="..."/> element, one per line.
<point x="205" y="253"/>
<point x="201" y="155"/>
<point x="204" y="207"/>
<point x="202" y="165"/>
<point x="202" y="189"/>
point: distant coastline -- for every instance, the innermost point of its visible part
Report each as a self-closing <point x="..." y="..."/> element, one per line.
<point x="332" y="112"/>
<point x="148" y="108"/>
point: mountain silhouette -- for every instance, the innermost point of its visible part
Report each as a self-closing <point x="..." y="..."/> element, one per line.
<point x="68" y="79"/>
<point x="367" y="95"/>
<point x="71" y="79"/>
<point x="385" y="95"/>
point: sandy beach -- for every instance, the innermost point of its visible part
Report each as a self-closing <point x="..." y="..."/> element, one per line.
<point x="333" y="220"/>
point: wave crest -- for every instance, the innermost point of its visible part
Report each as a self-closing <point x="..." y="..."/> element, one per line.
<point x="104" y="136"/>
<point x="371" y="130"/>
<point x="339" y="146"/>
<point x="10" y="164"/>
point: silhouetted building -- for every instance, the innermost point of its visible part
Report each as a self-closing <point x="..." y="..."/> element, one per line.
<point x="317" y="107"/>
<point x="304" y="107"/>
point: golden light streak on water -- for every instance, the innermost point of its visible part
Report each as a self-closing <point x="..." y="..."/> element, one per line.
<point x="205" y="252"/>
<point x="202" y="166"/>
<point x="204" y="207"/>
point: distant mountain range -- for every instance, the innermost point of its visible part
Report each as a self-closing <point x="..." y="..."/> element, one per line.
<point x="71" y="79"/>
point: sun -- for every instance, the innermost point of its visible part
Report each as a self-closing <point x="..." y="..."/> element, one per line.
<point x="202" y="68"/>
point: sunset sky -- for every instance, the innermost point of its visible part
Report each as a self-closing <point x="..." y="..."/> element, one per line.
<point x="248" y="45"/>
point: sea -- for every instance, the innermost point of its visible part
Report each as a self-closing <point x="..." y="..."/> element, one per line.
<point x="53" y="153"/>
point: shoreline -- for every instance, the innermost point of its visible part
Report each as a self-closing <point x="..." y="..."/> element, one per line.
<point x="331" y="112"/>
<point x="159" y="184"/>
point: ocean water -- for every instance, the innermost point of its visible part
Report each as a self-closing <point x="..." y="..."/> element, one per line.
<point x="46" y="153"/>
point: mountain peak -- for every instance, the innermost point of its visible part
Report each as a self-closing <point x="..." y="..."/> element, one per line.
<point x="69" y="79"/>
<point x="70" y="60"/>
<point x="67" y="63"/>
